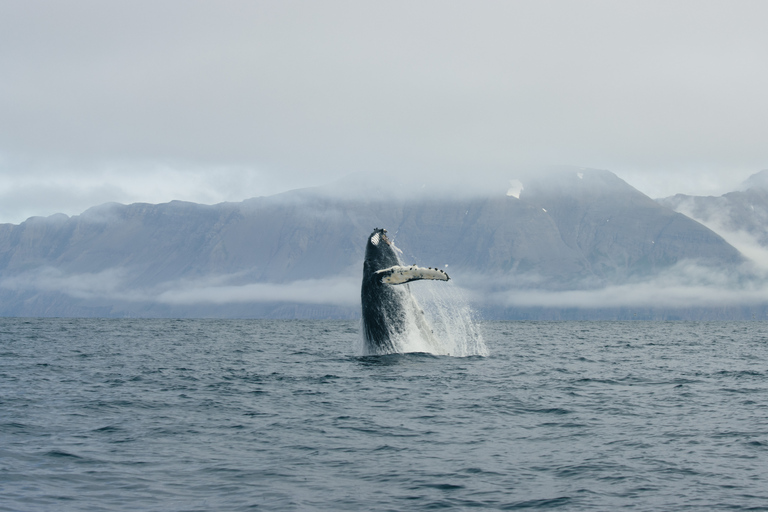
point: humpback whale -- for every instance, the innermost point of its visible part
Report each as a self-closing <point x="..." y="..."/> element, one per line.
<point x="388" y="308"/>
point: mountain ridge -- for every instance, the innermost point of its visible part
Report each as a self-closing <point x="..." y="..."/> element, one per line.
<point x="742" y="210"/>
<point x="571" y="229"/>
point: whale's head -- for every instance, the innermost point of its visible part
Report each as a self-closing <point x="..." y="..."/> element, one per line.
<point x="380" y="252"/>
<point x="379" y="236"/>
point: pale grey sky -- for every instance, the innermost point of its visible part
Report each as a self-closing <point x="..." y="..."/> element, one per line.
<point x="211" y="101"/>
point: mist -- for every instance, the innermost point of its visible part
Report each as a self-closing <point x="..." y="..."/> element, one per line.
<point x="720" y="221"/>
<point x="146" y="102"/>
<point x="685" y="285"/>
<point x="114" y="285"/>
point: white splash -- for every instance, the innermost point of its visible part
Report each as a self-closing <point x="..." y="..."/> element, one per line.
<point x="455" y="331"/>
<point x="441" y="322"/>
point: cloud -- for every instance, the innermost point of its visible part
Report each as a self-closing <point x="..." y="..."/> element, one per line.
<point x="718" y="219"/>
<point x="33" y="188"/>
<point x="685" y="285"/>
<point x="108" y="284"/>
<point x="280" y="95"/>
<point x="340" y="291"/>
<point x="113" y="285"/>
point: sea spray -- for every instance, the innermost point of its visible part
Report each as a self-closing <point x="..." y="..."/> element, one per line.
<point x="442" y="324"/>
<point x="454" y="322"/>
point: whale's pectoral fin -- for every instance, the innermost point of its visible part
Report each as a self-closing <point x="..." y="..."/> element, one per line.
<point x="402" y="275"/>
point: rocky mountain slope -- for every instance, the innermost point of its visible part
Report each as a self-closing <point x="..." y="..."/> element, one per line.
<point x="300" y="253"/>
<point x="744" y="210"/>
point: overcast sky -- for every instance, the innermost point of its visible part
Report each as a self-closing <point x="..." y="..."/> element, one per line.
<point x="212" y="101"/>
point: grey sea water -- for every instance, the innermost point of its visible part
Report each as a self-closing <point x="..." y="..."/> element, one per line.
<point x="100" y="414"/>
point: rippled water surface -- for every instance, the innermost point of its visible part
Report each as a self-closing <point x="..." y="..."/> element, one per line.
<point x="283" y="415"/>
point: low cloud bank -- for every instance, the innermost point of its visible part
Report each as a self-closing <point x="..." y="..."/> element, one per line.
<point x="108" y="284"/>
<point x="113" y="284"/>
<point x="339" y="291"/>
<point x="682" y="286"/>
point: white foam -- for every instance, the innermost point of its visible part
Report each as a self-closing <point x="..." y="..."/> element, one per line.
<point x="453" y="321"/>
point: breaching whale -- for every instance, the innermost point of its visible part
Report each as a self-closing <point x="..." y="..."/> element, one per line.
<point x="388" y="308"/>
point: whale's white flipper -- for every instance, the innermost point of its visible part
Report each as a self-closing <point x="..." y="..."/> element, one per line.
<point x="402" y="275"/>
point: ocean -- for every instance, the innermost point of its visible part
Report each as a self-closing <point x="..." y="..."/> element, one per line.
<point x="231" y="415"/>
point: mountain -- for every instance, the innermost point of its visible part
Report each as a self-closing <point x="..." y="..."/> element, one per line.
<point x="299" y="254"/>
<point x="741" y="211"/>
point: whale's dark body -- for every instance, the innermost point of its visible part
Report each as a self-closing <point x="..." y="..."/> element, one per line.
<point x="388" y="308"/>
